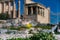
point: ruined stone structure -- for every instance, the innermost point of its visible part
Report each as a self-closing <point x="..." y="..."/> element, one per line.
<point x="9" y="7"/>
<point x="32" y="10"/>
<point x="37" y="12"/>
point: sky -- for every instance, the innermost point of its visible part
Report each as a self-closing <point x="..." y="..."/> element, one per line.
<point x="54" y="9"/>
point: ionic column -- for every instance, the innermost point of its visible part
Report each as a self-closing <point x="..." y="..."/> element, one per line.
<point x="9" y="11"/>
<point x="26" y="12"/>
<point x="14" y="9"/>
<point x="31" y="10"/>
<point x="4" y="7"/>
<point x="40" y="11"/>
<point x="1" y="7"/>
<point x="36" y="10"/>
<point x="43" y="12"/>
<point x="18" y="8"/>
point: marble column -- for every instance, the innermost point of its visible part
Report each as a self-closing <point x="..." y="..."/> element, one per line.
<point x="40" y="11"/>
<point x="14" y="9"/>
<point x="18" y="8"/>
<point x="43" y="12"/>
<point x="9" y="11"/>
<point x="4" y="7"/>
<point x="31" y="10"/>
<point x="1" y="7"/>
<point x="26" y="8"/>
<point x="36" y="10"/>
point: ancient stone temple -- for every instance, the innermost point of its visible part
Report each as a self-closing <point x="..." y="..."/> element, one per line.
<point x="36" y="11"/>
<point x="9" y="7"/>
<point x="32" y="10"/>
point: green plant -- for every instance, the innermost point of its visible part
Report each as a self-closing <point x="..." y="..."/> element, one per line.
<point x="43" y="36"/>
<point x="38" y="36"/>
<point x="43" y="27"/>
<point x="19" y="39"/>
<point x="4" y="16"/>
<point x="8" y="32"/>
